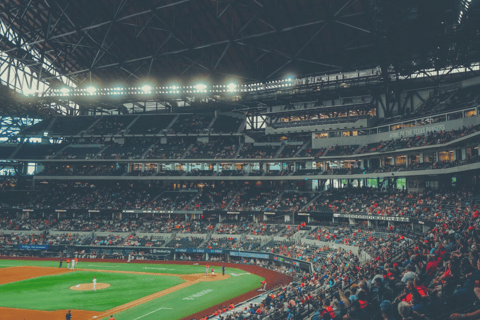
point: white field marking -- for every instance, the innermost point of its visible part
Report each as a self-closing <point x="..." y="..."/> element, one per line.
<point x="93" y="265"/>
<point x="151" y="313"/>
<point x="198" y="295"/>
<point x="148" y="268"/>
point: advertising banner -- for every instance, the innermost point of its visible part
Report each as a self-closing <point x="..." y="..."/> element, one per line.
<point x="249" y="255"/>
<point x="33" y="247"/>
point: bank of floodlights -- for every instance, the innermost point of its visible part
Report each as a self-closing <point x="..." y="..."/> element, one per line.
<point x="91" y="90"/>
<point x="201" y="88"/>
<point x="146" y="89"/>
<point x="232" y="87"/>
<point x="173" y="89"/>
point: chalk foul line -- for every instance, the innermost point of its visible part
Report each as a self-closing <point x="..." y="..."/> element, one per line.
<point x="151" y="313"/>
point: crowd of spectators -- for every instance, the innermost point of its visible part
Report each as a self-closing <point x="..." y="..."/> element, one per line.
<point x="396" y="275"/>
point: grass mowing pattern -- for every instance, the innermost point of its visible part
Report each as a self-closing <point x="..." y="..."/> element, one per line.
<point x="136" y="267"/>
<point x="221" y="292"/>
<point x="53" y="292"/>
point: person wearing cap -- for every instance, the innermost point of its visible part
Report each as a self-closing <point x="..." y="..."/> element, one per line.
<point x="111" y="317"/>
<point x="68" y="316"/>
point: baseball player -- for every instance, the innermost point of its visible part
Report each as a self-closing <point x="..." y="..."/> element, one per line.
<point x="61" y="262"/>
<point x="223" y="269"/>
<point x="68" y="316"/>
<point x="73" y="263"/>
<point x="68" y="264"/>
<point x="94" y="283"/>
<point x="206" y="269"/>
<point x="213" y="272"/>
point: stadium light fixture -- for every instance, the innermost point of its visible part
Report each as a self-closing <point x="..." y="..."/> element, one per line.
<point x="201" y="87"/>
<point x="289" y="79"/>
<point x="65" y="91"/>
<point x="91" y="90"/>
<point x="146" y="88"/>
<point x="117" y="90"/>
<point x="231" y="87"/>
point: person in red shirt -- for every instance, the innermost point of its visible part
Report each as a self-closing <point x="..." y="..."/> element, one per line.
<point x="111" y="317"/>
<point x="206" y="269"/>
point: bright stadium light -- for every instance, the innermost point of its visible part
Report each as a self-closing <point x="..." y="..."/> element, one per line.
<point x="146" y="88"/>
<point x="289" y="79"/>
<point x="231" y="87"/>
<point x="65" y="91"/>
<point x="91" y="90"/>
<point x="201" y="87"/>
<point x="29" y="91"/>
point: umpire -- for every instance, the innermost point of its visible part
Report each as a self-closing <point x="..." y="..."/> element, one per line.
<point x="68" y="316"/>
<point x="223" y="269"/>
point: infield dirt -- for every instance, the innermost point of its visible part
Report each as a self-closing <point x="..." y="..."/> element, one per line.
<point x="13" y="274"/>
<point x="20" y="273"/>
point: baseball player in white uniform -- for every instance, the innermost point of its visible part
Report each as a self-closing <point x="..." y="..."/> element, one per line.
<point x="94" y="283"/>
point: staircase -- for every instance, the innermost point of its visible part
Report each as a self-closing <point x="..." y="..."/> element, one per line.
<point x="186" y="151"/>
<point x="275" y="199"/>
<point x="311" y="201"/>
<point x="240" y="146"/>
<point x="50" y="125"/>
<point x="209" y="127"/>
<point x="14" y="153"/>
<point x="131" y="123"/>
<point x="91" y="126"/>
<point x="305" y="145"/>
<point x="171" y="123"/>
<point x="279" y="152"/>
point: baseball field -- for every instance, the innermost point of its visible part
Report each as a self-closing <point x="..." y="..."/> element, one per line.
<point x="39" y="289"/>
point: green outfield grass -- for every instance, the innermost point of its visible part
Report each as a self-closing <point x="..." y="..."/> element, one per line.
<point x="137" y="267"/>
<point x="173" y="306"/>
<point x="54" y="293"/>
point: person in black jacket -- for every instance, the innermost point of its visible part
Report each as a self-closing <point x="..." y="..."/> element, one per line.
<point x="68" y="316"/>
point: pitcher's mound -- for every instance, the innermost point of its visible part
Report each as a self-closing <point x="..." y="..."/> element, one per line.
<point x="89" y="286"/>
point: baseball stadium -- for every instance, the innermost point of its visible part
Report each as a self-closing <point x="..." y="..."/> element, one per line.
<point x="239" y="159"/>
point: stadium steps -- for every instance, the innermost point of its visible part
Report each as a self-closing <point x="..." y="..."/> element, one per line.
<point x="14" y="153"/>
<point x="238" y="151"/>
<point x="148" y="149"/>
<point x="50" y="125"/>
<point x="305" y="146"/>
<point x="229" y="204"/>
<point x="311" y="201"/>
<point x="56" y="154"/>
<point x="171" y="123"/>
<point x="274" y="199"/>
<point x="209" y="127"/>
<point x="186" y="151"/>
<point x="242" y="126"/>
<point x="91" y="126"/>
<point x="101" y="151"/>
<point x="195" y="198"/>
<point x="131" y="123"/>
<point x="279" y="151"/>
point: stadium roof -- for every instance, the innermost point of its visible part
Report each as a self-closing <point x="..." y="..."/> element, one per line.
<point x="107" y="41"/>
